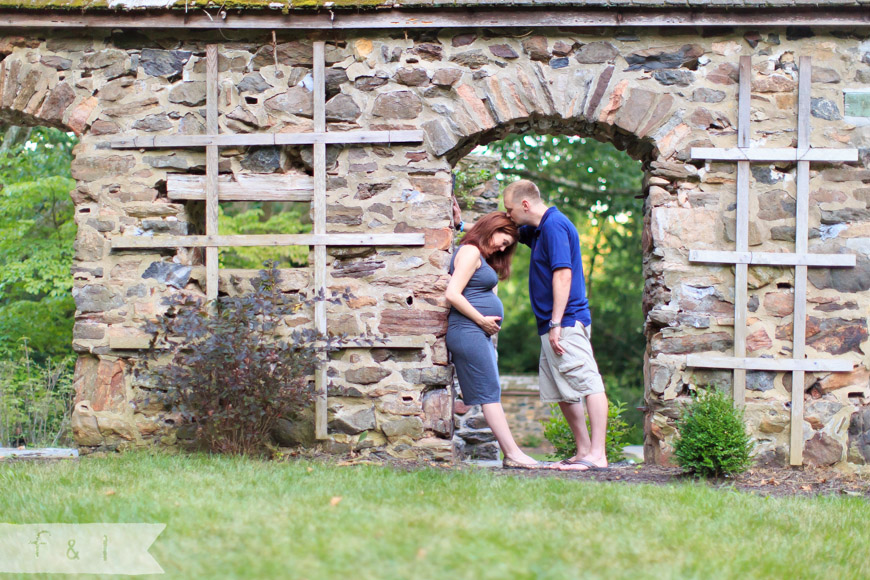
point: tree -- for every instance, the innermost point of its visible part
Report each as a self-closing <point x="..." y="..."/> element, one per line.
<point x="37" y="232"/>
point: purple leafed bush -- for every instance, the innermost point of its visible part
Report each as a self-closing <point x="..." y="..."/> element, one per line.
<point x="234" y="367"/>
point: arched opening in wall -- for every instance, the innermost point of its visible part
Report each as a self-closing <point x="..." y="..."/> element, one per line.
<point x="37" y="236"/>
<point x="598" y="187"/>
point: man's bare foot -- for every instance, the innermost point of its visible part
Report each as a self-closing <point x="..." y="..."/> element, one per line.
<point x="587" y="463"/>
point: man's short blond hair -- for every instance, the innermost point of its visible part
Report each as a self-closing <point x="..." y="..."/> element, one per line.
<point x="522" y="189"/>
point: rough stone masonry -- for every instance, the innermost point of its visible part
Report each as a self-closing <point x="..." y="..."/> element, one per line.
<point x="654" y="92"/>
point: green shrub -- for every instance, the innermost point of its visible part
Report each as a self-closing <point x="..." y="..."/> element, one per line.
<point x="236" y="368"/>
<point x="558" y="432"/>
<point x="713" y="439"/>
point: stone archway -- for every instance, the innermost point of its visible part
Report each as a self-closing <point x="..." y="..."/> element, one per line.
<point x="645" y="121"/>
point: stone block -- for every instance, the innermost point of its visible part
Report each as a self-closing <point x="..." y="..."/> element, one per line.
<point x="407" y="426"/>
<point x="353" y="421"/>
<point x="191" y="94"/>
<point x="397" y="105"/>
<point x="367" y="375"/>
<point x="822" y="450"/>
<point x="412" y="322"/>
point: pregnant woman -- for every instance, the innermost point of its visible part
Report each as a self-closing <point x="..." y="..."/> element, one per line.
<point x="483" y="258"/>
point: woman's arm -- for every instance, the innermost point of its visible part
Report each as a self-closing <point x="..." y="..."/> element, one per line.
<point x="466" y="262"/>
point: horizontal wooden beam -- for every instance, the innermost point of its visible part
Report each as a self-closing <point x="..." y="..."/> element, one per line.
<point x="439" y="17"/>
<point x="773" y="259"/>
<point x="265" y="139"/>
<point x="271" y="187"/>
<point x="143" y="242"/>
<point x="772" y="155"/>
<point x="140" y="342"/>
<point x="768" y="364"/>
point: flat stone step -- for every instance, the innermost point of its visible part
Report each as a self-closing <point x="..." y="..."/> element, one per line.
<point x="43" y="453"/>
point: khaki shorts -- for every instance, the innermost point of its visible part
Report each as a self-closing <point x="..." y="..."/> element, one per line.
<point x="574" y="375"/>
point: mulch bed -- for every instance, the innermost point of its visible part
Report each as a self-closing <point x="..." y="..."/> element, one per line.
<point x="768" y="481"/>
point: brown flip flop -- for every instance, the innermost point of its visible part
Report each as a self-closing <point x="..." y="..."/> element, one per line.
<point x="588" y="464"/>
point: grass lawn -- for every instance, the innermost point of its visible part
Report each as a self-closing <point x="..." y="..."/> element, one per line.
<point x="238" y="518"/>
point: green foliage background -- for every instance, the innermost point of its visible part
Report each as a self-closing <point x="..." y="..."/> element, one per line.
<point x="595" y="185"/>
<point x="37" y="232"/>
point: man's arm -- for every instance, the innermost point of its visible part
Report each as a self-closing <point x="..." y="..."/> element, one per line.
<point x="561" y="293"/>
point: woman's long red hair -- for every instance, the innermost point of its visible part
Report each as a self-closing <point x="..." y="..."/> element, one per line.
<point x="481" y="234"/>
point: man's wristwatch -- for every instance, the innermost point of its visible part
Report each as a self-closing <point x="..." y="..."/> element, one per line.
<point x="554" y="323"/>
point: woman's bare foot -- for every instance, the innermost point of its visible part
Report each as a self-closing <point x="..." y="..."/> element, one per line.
<point x="587" y="463"/>
<point x="522" y="458"/>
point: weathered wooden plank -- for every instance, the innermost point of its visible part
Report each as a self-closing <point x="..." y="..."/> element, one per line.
<point x="796" y="435"/>
<point x="143" y="242"/>
<point x="257" y="139"/>
<point x="772" y="258"/>
<point x="319" y="207"/>
<point x="771" y="155"/>
<point x="211" y="171"/>
<point x="443" y="17"/>
<point x="710" y="361"/>
<point x="41" y="453"/>
<point x="741" y="271"/>
<point x="744" y="96"/>
<point x="242" y="187"/>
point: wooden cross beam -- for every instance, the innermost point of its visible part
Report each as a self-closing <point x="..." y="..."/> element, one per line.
<point x="242" y="187"/>
<point x="803" y="155"/>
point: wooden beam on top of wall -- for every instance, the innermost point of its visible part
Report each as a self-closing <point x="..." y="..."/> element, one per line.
<point x="441" y="17"/>
<point x="266" y="240"/>
<point x="265" y="139"/>
<point x="267" y="187"/>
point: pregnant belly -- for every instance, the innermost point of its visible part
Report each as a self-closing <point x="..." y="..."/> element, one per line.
<point x="487" y="305"/>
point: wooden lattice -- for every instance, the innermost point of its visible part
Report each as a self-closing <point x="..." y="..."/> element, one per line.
<point x="269" y="188"/>
<point x="803" y="155"/>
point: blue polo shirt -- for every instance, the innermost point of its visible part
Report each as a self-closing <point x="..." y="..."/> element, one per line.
<point x="555" y="244"/>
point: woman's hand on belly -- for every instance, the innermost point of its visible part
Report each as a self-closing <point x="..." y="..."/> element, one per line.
<point x="490" y="324"/>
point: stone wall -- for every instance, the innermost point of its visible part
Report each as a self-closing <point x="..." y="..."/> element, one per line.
<point x="654" y="92"/>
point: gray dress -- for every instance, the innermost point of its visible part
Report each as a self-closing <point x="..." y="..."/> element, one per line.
<point x="471" y="348"/>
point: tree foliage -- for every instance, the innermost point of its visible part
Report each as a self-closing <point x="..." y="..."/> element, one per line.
<point x="37" y="232"/>
<point x="258" y="218"/>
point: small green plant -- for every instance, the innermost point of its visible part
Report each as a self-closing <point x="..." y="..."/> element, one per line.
<point x="713" y="439"/>
<point x="236" y="369"/>
<point x="558" y="432"/>
<point x="531" y="440"/>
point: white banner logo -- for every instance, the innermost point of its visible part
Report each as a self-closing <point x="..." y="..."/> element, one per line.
<point x="78" y="548"/>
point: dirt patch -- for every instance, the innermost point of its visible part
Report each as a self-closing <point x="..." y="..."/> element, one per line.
<point x="777" y="482"/>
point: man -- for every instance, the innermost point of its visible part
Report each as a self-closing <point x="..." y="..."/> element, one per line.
<point x="568" y="373"/>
